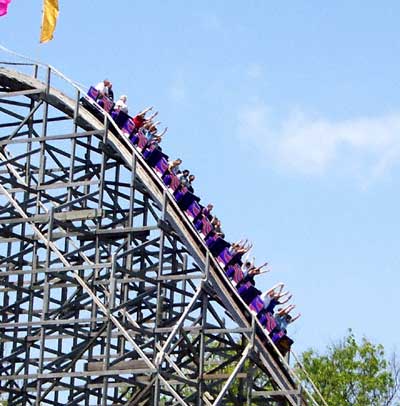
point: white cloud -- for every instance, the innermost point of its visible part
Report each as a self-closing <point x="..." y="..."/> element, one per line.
<point x="314" y="145"/>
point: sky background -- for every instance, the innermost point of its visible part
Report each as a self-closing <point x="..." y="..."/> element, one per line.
<point x="288" y="114"/>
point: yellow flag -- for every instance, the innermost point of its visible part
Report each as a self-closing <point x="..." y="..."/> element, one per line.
<point x="49" y="19"/>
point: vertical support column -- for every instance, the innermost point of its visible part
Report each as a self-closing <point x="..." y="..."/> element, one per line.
<point x="42" y="160"/>
<point x="111" y="305"/>
<point x="35" y="70"/>
<point x="145" y="216"/>
<point x="4" y="316"/>
<point x="184" y="283"/>
<point x="128" y="260"/>
<point x="33" y="276"/>
<point x="70" y="196"/>
<point x="202" y="349"/>
<point x="160" y="301"/>
<point x="48" y="79"/>
<point x="46" y="300"/>
<point x="249" y="380"/>
<point x="103" y="163"/>
<point x="299" y="396"/>
<point x="73" y="147"/>
<point x="42" y="170"/>
<point x="99" y="221"/>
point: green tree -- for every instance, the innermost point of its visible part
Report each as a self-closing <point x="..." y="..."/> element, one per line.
<point x="352" y="373"/>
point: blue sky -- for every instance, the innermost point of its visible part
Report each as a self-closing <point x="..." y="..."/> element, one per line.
<point x="289" y="116"/>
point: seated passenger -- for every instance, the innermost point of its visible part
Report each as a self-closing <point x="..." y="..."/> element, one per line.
<point x="121" y="105"/>
<point x="141" y="141"/>
<point x="204" y="213"/>
<point x="151" y="146"/>
<point x="184" y="177"/>
<point x="190" y="183"/>
<point x="103" y="88"/>
<point x="284" y="319"/>
<point x="140" y="118"/>
<point x="173" y="169"/>
<point x="179" y="193"/>
<point x="274" y="293"/>
<point x="173" y="166"/>
<point x="216" y="223"/>
<point x="246" y="287"/>
<point x="247" y="265"/>
<point x="273" y="300"/>
<point x="110" y="92"/>
<point x="238" y="250"/>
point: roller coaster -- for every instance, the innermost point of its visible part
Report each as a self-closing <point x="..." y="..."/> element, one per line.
<point x="108" y="293"/>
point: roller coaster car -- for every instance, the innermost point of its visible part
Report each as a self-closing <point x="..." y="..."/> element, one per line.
<point x="284" y="343"/>
<point x="128" y="127"/>
<point x="218" y="246"/>
<point x="235" y="273"/>
<point x="188" y="202"/>
<point x="205" y="227"/>
<point x="121" y="119"/>
<point x="91" y="106"/>
<point x="142" y="141"/>
<point x="89" y="103"/>
<point x="155" y="157"/>
<point x="174" y="184"/>
<point x="106" y="103"/>
<point x="161" y="167"/>
<point x="193" y="210"/>
<point x="224" y="257"/>
<point x="256" y="305"/>
<point x="211" y="237"/>
<point x="187" y="199"/>
<point x="93" y="93"/>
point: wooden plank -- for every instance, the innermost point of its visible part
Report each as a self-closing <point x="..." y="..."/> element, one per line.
<point x="75" y="215"/>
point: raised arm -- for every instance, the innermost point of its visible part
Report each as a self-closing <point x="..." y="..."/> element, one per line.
<point x="163" y="132"/>
<point x="145" y="111"/>
<point x="285" y="300"/>
<point x="153" y="115"/>
<point x="286" y="310"/>
<point x="261" y="266"/>
<point x="266" y="293"/>
<point x="295" y="318"/>
<point x="284" y="294"/>
<point x="280" y="288"/>
<point x="279" y="285"/>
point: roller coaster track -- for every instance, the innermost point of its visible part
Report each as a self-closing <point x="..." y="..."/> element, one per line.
<point x="109" y="295"/>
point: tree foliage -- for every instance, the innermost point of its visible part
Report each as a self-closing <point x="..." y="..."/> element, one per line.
<point x="352" y="373"/>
